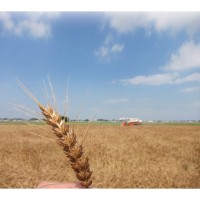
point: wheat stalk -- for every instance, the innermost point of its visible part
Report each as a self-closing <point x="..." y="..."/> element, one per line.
<point x="67" y="139"/>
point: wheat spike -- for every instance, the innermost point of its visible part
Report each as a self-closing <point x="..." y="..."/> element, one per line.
<point x="67" y="139"/>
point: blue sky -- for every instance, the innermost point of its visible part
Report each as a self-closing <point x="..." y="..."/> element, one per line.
<point x="140" y="64"/>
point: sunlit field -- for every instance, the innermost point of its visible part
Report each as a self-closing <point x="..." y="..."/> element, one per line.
<point x="147" y="156"/>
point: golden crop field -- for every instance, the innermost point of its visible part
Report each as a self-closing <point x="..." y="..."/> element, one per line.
<point x="147" y="156"/>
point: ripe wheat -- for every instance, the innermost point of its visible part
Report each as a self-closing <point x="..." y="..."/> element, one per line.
<point x="67" y="139"/>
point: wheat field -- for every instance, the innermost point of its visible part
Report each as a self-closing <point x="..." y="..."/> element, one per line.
<point x="147" y="156"/>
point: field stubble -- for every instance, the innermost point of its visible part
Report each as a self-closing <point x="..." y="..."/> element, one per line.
<point x="120" y="157"/>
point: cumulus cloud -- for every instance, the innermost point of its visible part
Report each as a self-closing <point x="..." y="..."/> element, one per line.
<point x="185" y="58"/>
<point x="171" y="22"/>
<point x="33" y="28"/>
<point x="160" y="79"/>
<point x="34" y="24"/>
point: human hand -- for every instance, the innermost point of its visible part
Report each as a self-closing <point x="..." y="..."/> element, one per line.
<point x="58" y="185"/>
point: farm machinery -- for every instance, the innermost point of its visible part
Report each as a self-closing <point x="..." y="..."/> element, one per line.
<point x="131" y="122"/>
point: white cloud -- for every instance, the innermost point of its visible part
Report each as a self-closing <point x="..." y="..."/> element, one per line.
<point x="159" y="21"/>
<point x="187" y="57"/>
<point x="190" y="89"/>
<point x="116" y="48"/>
<point x="126" y="22"/>
<point x="159" y="79"/>
<point x="102" y="52"/>
<point x="156" y="79"/>
<point x="106" y="51"/>
<point x="109" y="48"/>
<point x="34" y="24"/>
<point x="6" y="21"/>
<point x="116" y="101"/>
<point x="189" y="78"/>
<point x="34" y="28"/>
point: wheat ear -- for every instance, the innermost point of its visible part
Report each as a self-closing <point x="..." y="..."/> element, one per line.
<point x="67" y="139"/>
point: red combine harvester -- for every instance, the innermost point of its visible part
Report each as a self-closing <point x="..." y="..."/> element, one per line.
<point x="131" y="122"/>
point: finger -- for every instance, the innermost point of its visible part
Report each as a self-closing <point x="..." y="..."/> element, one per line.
<point x="48" y="184"/>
